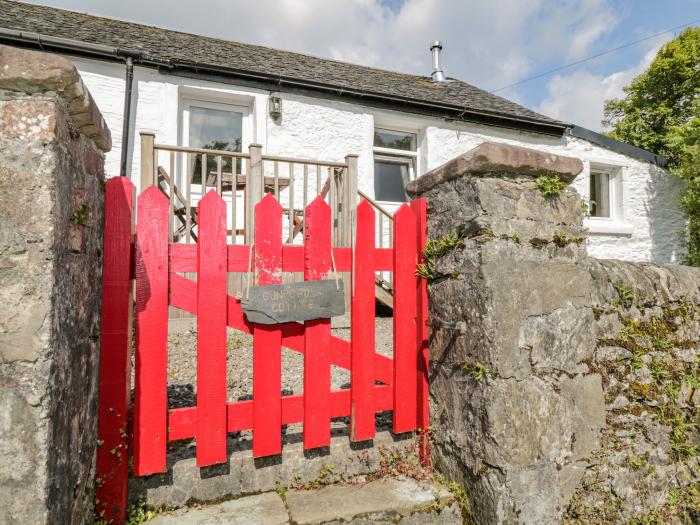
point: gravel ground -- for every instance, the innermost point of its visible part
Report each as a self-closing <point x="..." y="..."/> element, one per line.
<point x="182" y="368"/>
<point x="182" y="364"/>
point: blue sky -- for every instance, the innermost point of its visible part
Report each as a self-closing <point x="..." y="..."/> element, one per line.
<point x="489" y="43"/>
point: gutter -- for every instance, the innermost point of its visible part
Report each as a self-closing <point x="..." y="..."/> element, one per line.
<point x="618" y="146"/>
<point x="172" y="65"/>
<point x="63" y="44"/>
<point x="126" y="120"/>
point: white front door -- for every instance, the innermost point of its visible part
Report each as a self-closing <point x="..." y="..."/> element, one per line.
<point x="217" y="126"/>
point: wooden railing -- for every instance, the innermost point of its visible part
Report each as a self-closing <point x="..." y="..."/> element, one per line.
<point x="384" y="233"/>
<point x="243" y="179"/>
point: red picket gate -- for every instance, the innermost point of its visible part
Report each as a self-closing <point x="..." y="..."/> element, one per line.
<point x="378" y="383"/>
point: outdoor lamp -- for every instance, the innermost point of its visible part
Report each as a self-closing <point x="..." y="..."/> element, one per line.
<point x="275" y="107"/>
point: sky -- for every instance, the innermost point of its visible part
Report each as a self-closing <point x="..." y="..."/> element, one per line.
<point x="488" y="43"/>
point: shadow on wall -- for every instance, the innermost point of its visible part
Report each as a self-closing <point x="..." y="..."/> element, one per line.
<point x="666" y="221"/>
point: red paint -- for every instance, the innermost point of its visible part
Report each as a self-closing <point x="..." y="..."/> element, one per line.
<point x="405" y="292"/>
<point x="267" y="339"/>
<point x="182" y="421"/>
<point x="183" y="258"/>
<point x="159" y="283"/>
<point x="211" y="330"/>
<point x="419" y="207"/>
<point x="115" y="356"/>
<point x="151" y="402"/>
<point x="317" y="368"/>
<point x="362" y="328"/>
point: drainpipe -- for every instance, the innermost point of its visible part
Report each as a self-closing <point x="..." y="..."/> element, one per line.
<point x="126" y="121"/>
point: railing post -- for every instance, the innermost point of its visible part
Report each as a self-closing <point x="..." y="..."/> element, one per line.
<point x="254" y="189"/>
<point x="348" y="216"/>
<point x="349" y="201"/>
<point x="148" y="139"/>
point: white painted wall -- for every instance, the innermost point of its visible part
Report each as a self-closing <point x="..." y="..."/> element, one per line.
<point x="315" y="128"/>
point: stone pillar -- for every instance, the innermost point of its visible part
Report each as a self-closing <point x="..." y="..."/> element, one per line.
<point x="52" y="144"/>
<point x="515" y="411"/>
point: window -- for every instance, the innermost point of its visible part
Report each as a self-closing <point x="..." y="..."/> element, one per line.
<point x="213" y="125"/>
<point x="600" y="201"/>
<point x="606" y="204"/>
<point x="395" y="155"/>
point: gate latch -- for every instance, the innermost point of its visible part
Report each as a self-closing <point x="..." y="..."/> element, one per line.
<point x="458" y="326"/>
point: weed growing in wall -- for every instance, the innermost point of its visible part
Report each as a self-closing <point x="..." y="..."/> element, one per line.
<point x="434" y="249"/>
<point x="550" y="186"/>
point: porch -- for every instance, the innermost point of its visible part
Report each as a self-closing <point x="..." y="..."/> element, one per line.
<point x="186" y="174"/>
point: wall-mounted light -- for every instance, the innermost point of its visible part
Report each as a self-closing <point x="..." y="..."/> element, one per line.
<point x="275" y="107"/>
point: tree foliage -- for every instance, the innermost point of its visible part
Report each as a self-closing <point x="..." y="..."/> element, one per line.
<point x="660" y="112"/>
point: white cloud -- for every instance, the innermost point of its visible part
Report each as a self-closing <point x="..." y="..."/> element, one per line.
<point x="579" y="97"/>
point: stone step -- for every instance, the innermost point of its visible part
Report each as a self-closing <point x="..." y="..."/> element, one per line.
<point x="384" y="501"/>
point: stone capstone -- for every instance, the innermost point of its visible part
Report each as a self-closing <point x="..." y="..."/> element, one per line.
<point x="498" y="157"/>
<point x="34" y="73"/>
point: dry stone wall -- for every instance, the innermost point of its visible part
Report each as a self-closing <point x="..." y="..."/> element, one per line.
<point x="523" y="396"/>
<point x="648" y="355"/>
<point x="52" y="143"/>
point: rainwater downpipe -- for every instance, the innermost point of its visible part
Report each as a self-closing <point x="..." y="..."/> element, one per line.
<point x="126" y="120"/>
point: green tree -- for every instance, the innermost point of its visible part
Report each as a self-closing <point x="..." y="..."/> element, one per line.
<point x="660" y="112"/>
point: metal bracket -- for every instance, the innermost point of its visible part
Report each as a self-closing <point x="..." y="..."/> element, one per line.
<point x="458" y="326"/>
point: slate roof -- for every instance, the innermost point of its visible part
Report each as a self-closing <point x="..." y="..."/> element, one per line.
<point x="187" y="50"/>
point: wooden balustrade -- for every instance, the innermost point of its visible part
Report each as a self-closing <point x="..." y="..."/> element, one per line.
<point x="185" y="174"/>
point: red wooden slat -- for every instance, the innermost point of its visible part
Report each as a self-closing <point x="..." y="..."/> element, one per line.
<point x="384" y="259"/>
<point x="317" y="369"/>
<point x="183" y="258"/>
<point x="115" y="356"/>
<point x="151" y="402"/>
<point x="267" y="339"/>
<point x="211" y="330"/>
<point x="343" y="259"/>
<point x="405" y="352"/>
<point x="419" y="207"/>
<point x="238" y="258"/>
<point x="182" y="421"/>
<point x="362" y="327"/>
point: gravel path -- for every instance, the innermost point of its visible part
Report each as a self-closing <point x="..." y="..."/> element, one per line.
<point x="182" y="373"/>
<point x="182" y="364"/>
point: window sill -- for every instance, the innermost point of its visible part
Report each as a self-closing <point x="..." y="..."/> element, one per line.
<point x="609" y="227"/>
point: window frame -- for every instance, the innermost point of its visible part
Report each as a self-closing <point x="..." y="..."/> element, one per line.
<point x="213" y="102"/>
<point x="397" y="156"/>
<point x="611" y="193"/>
<point x="616" y="223"/>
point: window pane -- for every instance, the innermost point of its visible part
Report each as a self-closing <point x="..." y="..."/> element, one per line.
<point x="214" y="129"/>
<point x="600" y="195"/>
<point x="384" y="138"/>
<point x="389" y="180"/>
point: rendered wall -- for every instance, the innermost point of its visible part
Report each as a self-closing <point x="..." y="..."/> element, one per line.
<point x="52" y="139"/>
<point x="329" y="130"/>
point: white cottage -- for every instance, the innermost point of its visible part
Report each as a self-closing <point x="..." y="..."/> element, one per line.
<point x="206" y="93"/>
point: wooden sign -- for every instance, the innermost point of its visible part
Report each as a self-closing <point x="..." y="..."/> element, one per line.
<point x="304" y="301"/>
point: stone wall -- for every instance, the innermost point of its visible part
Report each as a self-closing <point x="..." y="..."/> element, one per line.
<point x="52" y="144"/>
<point x="522" y="396"/>
<point x="647" y="469"/>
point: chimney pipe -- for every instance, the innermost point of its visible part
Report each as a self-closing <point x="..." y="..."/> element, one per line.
<point x="437" y="75"/>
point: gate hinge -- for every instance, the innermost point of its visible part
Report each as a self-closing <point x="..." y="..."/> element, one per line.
<point x="458" y="326"/>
